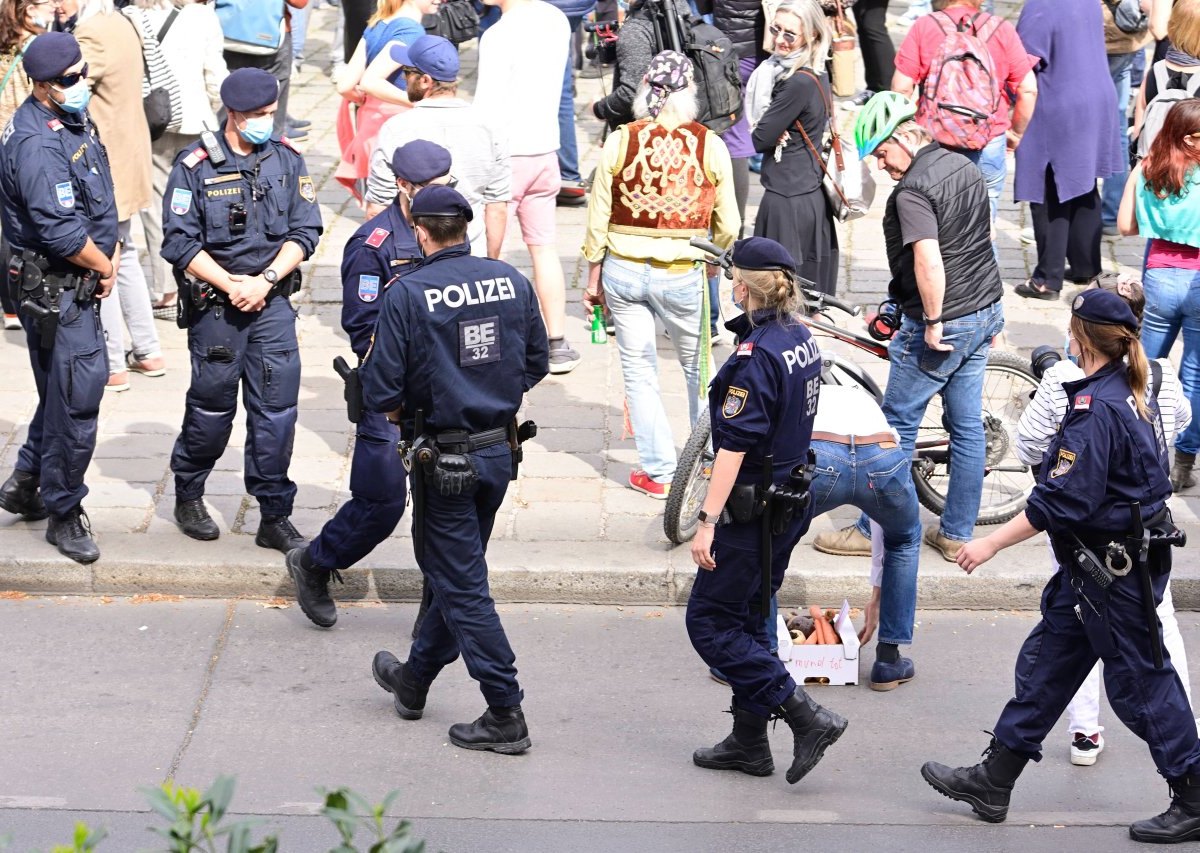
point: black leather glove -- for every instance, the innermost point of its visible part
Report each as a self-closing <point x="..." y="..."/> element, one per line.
<point x="455" y="474"/>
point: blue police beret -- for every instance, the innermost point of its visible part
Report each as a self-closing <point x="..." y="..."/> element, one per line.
<point x="441" y="201"/>
<point x="1104" y="307"/>
<point x="420" y="161"/>
<point x="762" y="253"/>
<point x="432" y="55"/>
<point x="50" y="54"/>
<point x="249" y="89"/>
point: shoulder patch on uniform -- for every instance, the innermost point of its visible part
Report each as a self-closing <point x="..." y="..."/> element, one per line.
<point x="1083" y="402"/>
<point x="1065" y="460"/>
<point x="291" y="145"/>
<point x="65" y="193"/>
<point x="377" y="237"/>
<point x="181" y="201"/>
<point x="195" y="158"/>
<point x="307" y="191"/>
<point x="54" y="124"/>
<point x="735" y="401"/>
<point x="745" y="349"/>
<point x="368" y="288"/>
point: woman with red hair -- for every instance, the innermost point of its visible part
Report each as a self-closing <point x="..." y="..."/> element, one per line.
<point x="1162" y="203"/>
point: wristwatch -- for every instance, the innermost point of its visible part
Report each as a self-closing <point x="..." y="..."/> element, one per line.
<point x="931" y="321"/>
<point x="703" y="518"/>
<point x="271" y="276"/>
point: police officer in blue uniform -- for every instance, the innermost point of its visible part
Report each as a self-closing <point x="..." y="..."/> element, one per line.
<point x="60" y="218"/>
<point x="383" y="249"/>
<point x="761" y="404"/>
<point x="239" y="216"/>
<point x="459" y="342"/>
<point x="1101" y="496"/>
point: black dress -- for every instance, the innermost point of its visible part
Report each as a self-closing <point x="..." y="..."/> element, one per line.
<point x="794" y="210"/>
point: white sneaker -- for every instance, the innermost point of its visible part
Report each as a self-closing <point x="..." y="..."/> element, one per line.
<point x="1085" y="749"/>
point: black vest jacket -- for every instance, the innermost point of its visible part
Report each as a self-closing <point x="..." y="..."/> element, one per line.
<point x="958" y="195"/>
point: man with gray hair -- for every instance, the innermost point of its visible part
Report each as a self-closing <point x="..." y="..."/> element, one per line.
<point x="480" y="157"/>
<point x="937" y="227"/>
<point x="644" y="207"/>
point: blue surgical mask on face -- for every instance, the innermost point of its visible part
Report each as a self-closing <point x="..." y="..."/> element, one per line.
<point x="732" y="298"/>
<point x="75" y="98"/>
<point x="1074" y="359"/>
<point x="257" y="130"/>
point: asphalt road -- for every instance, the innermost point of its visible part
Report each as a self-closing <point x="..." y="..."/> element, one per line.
<point x="102" y="697"/>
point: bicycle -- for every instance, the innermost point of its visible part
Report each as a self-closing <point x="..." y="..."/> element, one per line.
<point x="1008" y="386"/>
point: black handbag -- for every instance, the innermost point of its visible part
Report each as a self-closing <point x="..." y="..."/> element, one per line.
<point x="458" y="21"/>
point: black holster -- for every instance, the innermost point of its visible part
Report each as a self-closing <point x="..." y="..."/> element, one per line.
<point x="352" y="393"/>
<point x="36" y="295"/>
<point x="518" y="435"/>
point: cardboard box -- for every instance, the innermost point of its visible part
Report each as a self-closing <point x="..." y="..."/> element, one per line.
<point x="837" y="664"/>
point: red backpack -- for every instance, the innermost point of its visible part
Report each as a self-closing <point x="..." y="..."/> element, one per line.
<point x="961" y="93"/>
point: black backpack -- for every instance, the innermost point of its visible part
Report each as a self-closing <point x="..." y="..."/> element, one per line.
<point x="714" y="62"/>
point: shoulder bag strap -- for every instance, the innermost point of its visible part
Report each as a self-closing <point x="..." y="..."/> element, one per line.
<point x="162" y="34"/>
<point x="1156" y="373"/>
<point x="837" y="141"/>
<point x="141" y="40"/>
<point x="13" y="67"/>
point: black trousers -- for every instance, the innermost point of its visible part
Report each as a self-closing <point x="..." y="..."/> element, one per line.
<point x="1067" y="232"/>
<point x="878" y="52"/>
<point x="355" y="14"/>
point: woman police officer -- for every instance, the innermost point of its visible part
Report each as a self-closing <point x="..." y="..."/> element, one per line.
<point x="762" y="403"/>
<point x="1107" y="462"/>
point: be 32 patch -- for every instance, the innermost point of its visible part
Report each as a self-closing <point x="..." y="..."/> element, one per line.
<point x="478" y="341"/>
<point x="181" y="201"/>
<point x="735" y="401"/>
<point x="1065" y="460"/>
<point x="307" y="191"/>
<point x="65" y="194"/>
<point x="368" y="288"/>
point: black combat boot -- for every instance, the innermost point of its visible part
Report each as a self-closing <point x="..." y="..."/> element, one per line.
<point x="277" y="531"/>
<point x="986" y="787"/>
<point x="312" y="587"/>
<point x="1180" y="822"/>
<point x="500" y="730"/>
<point x="72" y="535"/>
<point x="814" y="729"/>
<point x="394" y="677"/>
<point x="20" y="496"/>
<point x="193" y="519"/>
<point x="747" y="747"/>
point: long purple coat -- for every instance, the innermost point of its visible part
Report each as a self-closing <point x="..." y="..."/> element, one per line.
<point x="1074" y="127"/>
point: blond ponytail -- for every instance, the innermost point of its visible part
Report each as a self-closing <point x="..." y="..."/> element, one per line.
<point x="1139" y="373"/>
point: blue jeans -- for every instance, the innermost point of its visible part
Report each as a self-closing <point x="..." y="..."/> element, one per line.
<point x="1173" y="303"/>
<point x="568" y="148"/>
<point x="878" y="480"/>
<point x="636" y="294"/>
<point x="992" y="161"/>
<point x="300" y="30"/>
<point x="916" y="375"/>
<point x="1120" y="67"/>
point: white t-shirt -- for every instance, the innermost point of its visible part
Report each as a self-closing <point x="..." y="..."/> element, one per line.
<point x="843" y="410"/>
<point x="522" y="58"/>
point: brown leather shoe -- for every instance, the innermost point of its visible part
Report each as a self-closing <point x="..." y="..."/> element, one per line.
<point x="847" y="542"/>
<point x="948" y="547"/>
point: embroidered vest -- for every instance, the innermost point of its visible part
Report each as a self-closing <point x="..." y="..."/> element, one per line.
<point x="661" y="188"/>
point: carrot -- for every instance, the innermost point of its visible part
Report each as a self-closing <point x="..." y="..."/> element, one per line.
<point x="813" y="638"/>
<point x="820" y="626"/>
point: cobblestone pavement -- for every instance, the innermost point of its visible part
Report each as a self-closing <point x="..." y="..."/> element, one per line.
<point x="569" y="530"/>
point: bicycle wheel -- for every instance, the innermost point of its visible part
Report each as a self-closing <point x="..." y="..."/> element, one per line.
<point x="690" y="484"/>
<point x="1007" y="389"/>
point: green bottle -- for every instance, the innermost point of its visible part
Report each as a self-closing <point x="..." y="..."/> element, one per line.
<point x="599" y="333"/>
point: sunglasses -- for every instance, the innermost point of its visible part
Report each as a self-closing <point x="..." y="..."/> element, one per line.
<point x="781" y="33"/>
<point x="69" y="80"/>
<point x="408" y="69"/>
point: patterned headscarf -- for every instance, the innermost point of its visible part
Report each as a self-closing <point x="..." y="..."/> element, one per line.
<point x="669" y="72"/>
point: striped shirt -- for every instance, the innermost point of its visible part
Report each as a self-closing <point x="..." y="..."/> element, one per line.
<point x="1039" y="423"/>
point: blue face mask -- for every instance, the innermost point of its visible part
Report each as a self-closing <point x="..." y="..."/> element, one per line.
<point x="733" y="299"/>
<point x="1074" y="359"/>
<point x="75" y="98"/>
<point x="258" y="130"/>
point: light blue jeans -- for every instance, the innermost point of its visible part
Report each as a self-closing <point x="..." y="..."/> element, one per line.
<point x="1120" y="66"/>
<point x="993" y="163"/>
<point x="878" y="480"/>
<point x="636" y="294"/>
<point x="1172" y="304"/>
<point x="916" y="374"/>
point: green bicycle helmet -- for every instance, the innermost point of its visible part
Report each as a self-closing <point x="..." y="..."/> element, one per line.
<point x="879" y="119"/>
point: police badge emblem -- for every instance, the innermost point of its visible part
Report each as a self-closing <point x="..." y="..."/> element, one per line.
<point x="1065" y="460"/>
<point x="735" y="401"/>
<point x="368" y="288"/>
<point x="66" y="195"/>
<point x="181" y="201"/>
<point x="307" y="191"/>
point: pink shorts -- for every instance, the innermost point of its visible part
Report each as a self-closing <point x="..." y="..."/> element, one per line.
<point x="535" y="184"/>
